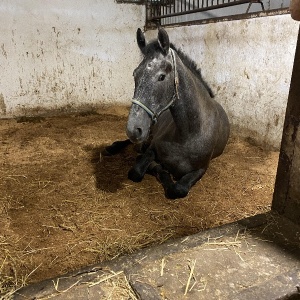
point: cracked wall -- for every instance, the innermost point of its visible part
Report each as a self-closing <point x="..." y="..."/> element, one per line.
<point x="72" y="55"/>
<point x="66" y="55"/>
<point x="248" y="63"/>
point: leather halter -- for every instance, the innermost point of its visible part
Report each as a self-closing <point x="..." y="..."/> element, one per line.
<point x="155" y="115"/>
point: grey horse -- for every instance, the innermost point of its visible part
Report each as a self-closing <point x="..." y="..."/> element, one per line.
<point x="174" y="116"/>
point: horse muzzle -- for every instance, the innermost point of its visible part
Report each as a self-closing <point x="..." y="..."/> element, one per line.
<point x="135" y="135"/>
<point x="138" y="127"/>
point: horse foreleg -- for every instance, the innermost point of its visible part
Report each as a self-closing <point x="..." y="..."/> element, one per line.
<point x="116" y="147"/>
<point x="162" y="176"/>
<point x="180" y="188"/>
<point x="138" y="171"/>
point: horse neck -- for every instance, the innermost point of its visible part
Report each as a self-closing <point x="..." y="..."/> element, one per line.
<point x="187" y="111"/>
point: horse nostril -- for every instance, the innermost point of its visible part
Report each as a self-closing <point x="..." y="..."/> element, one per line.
<point x="138" y="132"/>
<point x="135" y="134"/>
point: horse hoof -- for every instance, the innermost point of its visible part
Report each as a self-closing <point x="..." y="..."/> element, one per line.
<point x="115" y="147"/>
<point x="176" y="191"/>
<point x="134" y="176"/>
<point x="106" y="152"/>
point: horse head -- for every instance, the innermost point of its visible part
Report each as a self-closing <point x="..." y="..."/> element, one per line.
<point x="154" y="85"/>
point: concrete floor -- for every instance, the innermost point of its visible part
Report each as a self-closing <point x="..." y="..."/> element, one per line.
<point x="256" y="258"/>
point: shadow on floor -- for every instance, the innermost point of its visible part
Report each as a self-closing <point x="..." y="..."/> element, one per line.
<point x="111" y="171"/>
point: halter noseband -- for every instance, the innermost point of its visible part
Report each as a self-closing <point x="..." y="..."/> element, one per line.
<point x="154" y="116"/>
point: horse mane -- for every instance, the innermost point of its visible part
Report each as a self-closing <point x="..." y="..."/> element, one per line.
<point x="154" y="46"/>
<point x="189" y="63"/>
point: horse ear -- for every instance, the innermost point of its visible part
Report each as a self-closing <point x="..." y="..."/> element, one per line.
<point x="140" y="37"/>
<point x="163" y="40"/>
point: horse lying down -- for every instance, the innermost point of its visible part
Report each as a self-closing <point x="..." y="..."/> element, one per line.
<point x="174" y="117"/>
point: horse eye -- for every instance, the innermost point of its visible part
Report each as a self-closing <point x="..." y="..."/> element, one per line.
<point x="161" y="77"/>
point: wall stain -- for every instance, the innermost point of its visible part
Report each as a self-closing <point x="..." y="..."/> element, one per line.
<point x="4" y="51"/>
<point x="2" y="105"/>
<point x="276" y="120"/>
<point x="246" y="74"/>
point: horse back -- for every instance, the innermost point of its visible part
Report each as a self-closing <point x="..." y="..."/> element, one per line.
<point x="222" y="131"/>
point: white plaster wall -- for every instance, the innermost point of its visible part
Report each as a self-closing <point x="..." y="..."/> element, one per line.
<point x="71" y="55"/>
<point x="66" y="54"/>
<point x="248" y="64"/>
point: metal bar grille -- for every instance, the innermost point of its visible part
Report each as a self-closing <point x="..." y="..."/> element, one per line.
<point x="162" y="12"/>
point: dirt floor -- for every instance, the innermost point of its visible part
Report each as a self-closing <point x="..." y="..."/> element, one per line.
<point x="64" y="206"/>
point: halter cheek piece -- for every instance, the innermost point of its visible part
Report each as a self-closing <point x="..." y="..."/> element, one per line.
<point x="154" y="116"/>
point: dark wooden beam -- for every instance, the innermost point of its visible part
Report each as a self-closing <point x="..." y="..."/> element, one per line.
<point x="286" y="198"/>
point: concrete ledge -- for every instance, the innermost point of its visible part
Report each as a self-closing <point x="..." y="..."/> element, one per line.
<point x="256" y="258"/>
